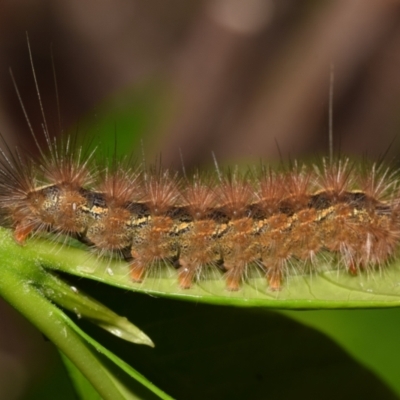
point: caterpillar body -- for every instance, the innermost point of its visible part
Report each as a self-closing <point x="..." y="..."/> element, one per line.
<point x="275" y="221"/>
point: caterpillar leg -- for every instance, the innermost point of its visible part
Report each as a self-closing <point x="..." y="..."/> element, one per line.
<point x="234" y="276"/>
<point x="274" y="279"/>
<point x="274" y="275"/>
<point x="352" y="268"/>
<point x="137" y="269"/>
<point x="21" y="232"/>
<point x="186" y="274"/>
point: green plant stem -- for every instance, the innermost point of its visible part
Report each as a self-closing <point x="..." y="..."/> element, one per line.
<point x="49" y="320"/>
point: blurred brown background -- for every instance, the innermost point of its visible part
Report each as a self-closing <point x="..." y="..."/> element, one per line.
<point x="245" y="79"/>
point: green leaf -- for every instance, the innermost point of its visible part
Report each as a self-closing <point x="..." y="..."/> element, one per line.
<point x="213" y="352"/>
<point x="72" y="299"/>
<point x="369" y="336"/>
<point x="329" y="289"/>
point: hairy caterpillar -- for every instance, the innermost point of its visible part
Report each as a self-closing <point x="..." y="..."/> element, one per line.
<point x="277" y="221"/>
